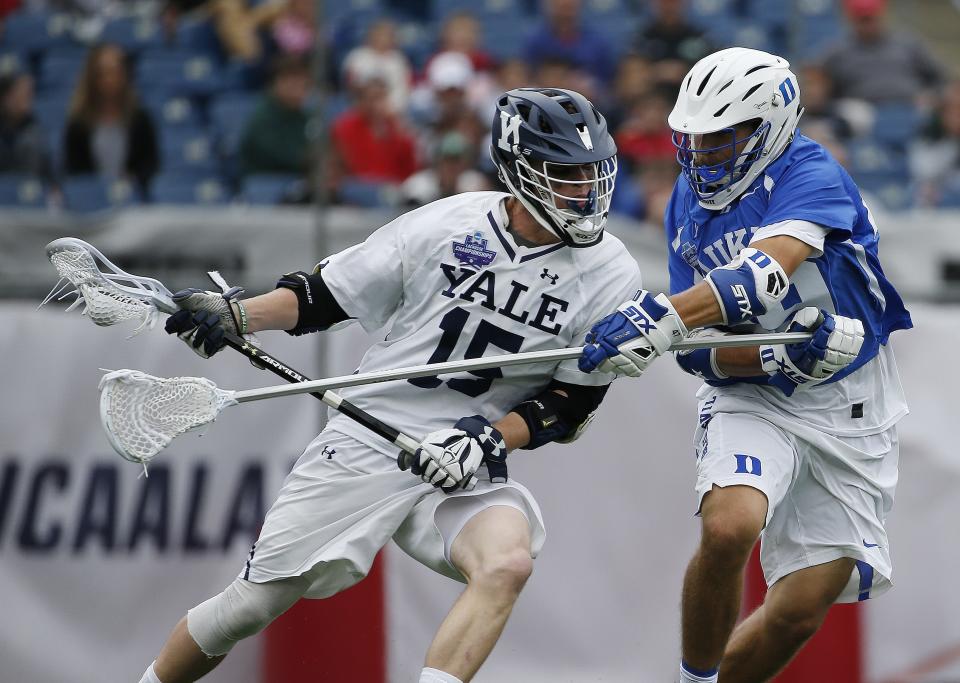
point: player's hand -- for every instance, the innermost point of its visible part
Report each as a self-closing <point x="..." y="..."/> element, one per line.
<point x="449" y="458"/>
<point x="835" y="344"/>
<point x="628" y="341"/>
<point x="203" y="318"/>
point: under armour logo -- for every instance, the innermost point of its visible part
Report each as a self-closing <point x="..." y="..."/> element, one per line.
<point x="327" y="451"/>
<point x="545" y="275"/>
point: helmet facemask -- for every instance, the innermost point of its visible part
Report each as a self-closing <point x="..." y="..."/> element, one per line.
<point x="570" y="200"/>
<point x="707" y="180"/>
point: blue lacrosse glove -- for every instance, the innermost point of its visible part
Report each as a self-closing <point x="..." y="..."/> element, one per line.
<point x="628" y="341"/>
<point x="449" y="458"/>
<point x="203" y="318"/>
<point x="836" y="343"/>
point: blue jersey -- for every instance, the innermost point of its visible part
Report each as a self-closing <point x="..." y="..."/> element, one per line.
<point x="805" y="183"/>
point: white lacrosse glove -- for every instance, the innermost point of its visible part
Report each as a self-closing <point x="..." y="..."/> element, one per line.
<point x="836" y="343"/>
<point x="205" y="315"/>
<point x="628" y="341"/>
<point x="449" y="458"/>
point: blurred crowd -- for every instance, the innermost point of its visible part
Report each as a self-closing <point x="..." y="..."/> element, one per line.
<point x="106" y="103"/>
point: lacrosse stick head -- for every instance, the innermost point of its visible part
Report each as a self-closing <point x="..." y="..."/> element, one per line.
<point x="110" y="295"/>
<point x="142" y="414"/>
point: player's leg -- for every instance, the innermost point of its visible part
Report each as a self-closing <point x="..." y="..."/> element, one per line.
<point x="793" y="610"/>
<point x="201" y="640"/>
<point x="744" y="469"/>
<point x="493" y="552"/>
<point x="732" y="520"/>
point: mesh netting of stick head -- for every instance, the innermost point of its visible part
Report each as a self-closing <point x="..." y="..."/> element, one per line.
<point x="109" y="298"/>
<point x="142" y="414"/>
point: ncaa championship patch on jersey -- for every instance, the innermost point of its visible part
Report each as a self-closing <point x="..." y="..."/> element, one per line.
<point x="473" y="251"/>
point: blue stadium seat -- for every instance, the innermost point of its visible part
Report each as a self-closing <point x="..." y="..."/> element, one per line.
<point x="705" y="13"/>
<point x="505" y="37"/>
<point x="88" y="193"/>
<point x="52" y="109"/>
<point x="337" y="11"/>
<point x="484" y="9"/>
<point x="36" y="32"/>
<point x="133" y="34"/>
<point x="60" y="68"/>
<point x="229" y="114"/>
<point x="268" y="188"/>
<point x="172" y="111"/>
<point x="950" y="193"/>
<point x="183" y="73"/>
<point x="871" y="156"/>
<point x="22" y="191"/>
<point x="199" y="37"/>
<point x="178" y="188"/>
<point x="187" y="149"/>
<point x="11" y="61"/>
<point x="895" y="124"/>
<point x="367" y="193"/>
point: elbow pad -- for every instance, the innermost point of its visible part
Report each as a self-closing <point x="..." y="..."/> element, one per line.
<point x="748" y="286"/>
<point x="318" y="310"/>
<point x="554" y="417"/>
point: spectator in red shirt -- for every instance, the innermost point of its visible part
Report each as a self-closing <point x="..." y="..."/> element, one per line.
<point x="370" y="142"/>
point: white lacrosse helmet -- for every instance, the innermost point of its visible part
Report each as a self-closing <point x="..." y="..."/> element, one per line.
<point x="721" y="91"/>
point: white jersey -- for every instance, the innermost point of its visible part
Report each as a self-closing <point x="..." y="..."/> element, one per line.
<point x="452" y="283"/>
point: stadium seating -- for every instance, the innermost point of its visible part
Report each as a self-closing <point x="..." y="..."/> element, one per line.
<point x="133" y="34"/>
<point x="22" y="191"/>
<point x="172" y="111"/>
<point x="60" y="68"/>
<point x="11" y="61"/>
<point x="180" y="188"/>
<point x="366" y="193"/>
<point x="36" y="32"/>
<point x="268" y="188"/>
<point x="188" y="149"/>
<point x="188" y="73"/>
<point x="88" y="193"/>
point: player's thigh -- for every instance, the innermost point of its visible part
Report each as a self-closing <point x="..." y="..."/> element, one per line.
<point x="737" y="450"/>
<point x="808" y="593"/>
<point x="495" y="536"/>
<point x="339" y="505"/>
<point x="437" y="522"/>
<point x="837" y="509"/>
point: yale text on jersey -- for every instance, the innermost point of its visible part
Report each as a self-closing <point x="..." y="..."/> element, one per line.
<point x="512" y="300"/>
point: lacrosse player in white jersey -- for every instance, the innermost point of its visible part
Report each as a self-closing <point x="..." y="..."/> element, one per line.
<point x="796" y="444"/>
<point x="470" y="275"/>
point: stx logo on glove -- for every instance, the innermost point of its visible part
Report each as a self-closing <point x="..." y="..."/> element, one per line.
<point x="639" y="318"/>
<point x="767" y="355"/>
<point x="743" y="301"/>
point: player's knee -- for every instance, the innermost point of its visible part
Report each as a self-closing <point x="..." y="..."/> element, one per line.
<point x="242" y="610"/>
<point x="795" y="623"/>
<point x="504" y="573"/>
<point x="728" y="539"/>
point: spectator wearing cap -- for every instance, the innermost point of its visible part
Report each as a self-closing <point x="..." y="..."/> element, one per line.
<point x="449" y="100"/>
<point x="23" y="144"/>
<point x="452" y="172"/>
<point x="108" y="132"/>
<point x="879" y="65"/>
<point x="369" y="141"/>
<point x="275" y="138"/>
<point x="563" y="35"/>
<point x="379" y="58"/>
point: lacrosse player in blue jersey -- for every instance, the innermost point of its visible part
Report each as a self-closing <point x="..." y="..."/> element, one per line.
<point x="795" y="444"/>
<point x="475" y="274"/>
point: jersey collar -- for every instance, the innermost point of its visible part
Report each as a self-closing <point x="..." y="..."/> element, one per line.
<point x="515" y="252"/>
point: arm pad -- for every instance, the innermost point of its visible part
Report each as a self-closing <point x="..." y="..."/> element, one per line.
<point x="318" y="310"/>
<point x="553" y="417"/>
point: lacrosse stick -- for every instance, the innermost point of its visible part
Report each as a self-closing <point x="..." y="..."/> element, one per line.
<point x="142" y="414"/>
<point x="113" y="296"/>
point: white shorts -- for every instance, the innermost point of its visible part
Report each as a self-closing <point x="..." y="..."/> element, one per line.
<point x="344" y="500"/>
<point x="827" y="496"/>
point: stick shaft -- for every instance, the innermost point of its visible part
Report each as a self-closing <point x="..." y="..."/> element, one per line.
<point x="264" y="360"/>
<point x="550" y="356"/>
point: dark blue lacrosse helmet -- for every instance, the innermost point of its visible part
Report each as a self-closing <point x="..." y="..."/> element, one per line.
<point x="554" y="153"/>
